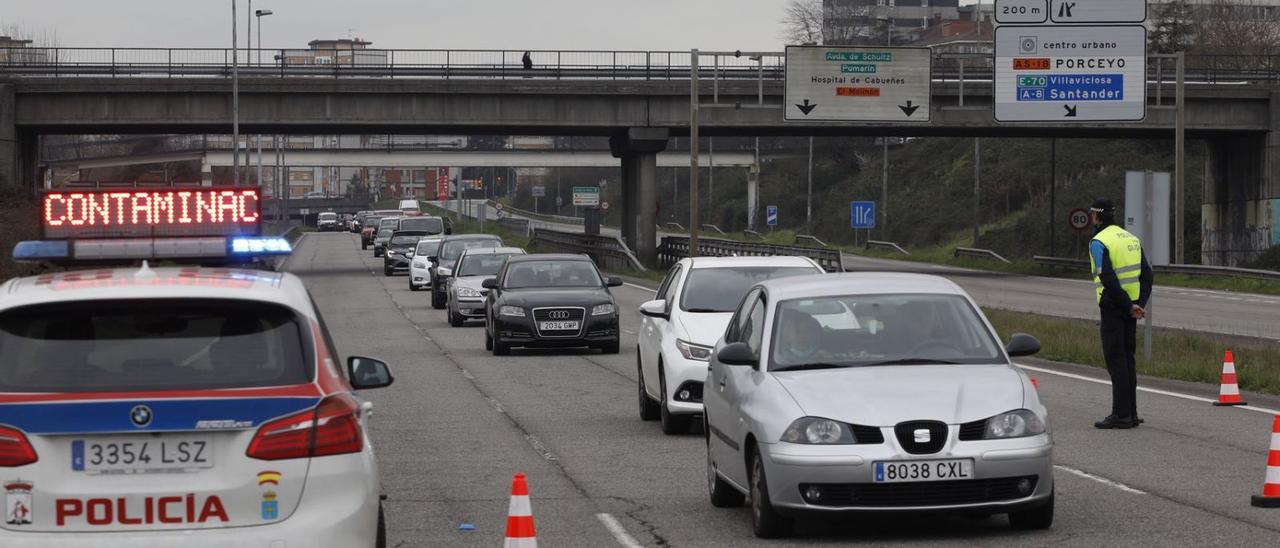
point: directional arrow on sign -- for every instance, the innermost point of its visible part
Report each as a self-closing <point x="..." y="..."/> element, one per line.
<point x="807" y="107"/>
<point x="1071" y="111"/>
<point x="909" y="109"/>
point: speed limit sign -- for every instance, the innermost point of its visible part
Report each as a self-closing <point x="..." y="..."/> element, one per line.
<point x="604" y="206"/>
<point x="1078" y="219"/>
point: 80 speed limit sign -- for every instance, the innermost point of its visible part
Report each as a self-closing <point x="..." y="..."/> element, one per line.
<point x="1078" y="219"/>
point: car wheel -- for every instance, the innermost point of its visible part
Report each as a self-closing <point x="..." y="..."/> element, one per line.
<point x="364" y="246"/>
<point x="722" y="494"/>
<point x="488" y="341"/>
<point x="766" y="522"/>
<point x="412" y="287"/>
<point x="672" y="424"/>
<point x="1035" y="518"/>
<point x="611" y="348"/>
<point x="500" y="349"/>
<point x="455" y="319"/>
<point x="387" y="272"/>
<point x="437" y="300"/>
<point x="648" y="407"/>
<point x="380" y="538"/>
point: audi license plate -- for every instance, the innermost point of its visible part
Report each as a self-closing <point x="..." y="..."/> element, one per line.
<point x="135" y="454"/>
<point x="924" y="470"/>
<point x="558" y="326"/>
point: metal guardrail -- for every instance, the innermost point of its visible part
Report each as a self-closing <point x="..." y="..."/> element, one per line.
<point x="1186" y="269"/>
<point x="713" y="228"/>
<point x="753" y="234"/>
<point x="811" y="239"/>
<point x="886" y="246"/>
<point x="975" y="253"/>
<point x="676" y="226"/>
<point x="674" y="248"/>
<point x="609" y="252"/>
<point x="515" y="225"/>
<point x="562" y="219"/>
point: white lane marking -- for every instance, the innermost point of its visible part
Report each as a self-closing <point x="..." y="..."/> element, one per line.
<point x="1144" y="389"/>
<point x="1099" y="479"/>
<point x="640" y="287"/>
<point x="619" y="533"/>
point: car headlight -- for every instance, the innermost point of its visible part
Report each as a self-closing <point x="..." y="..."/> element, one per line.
<point x="468" y="292"/>
<point x="513" y="311"/>
<point x="602" y="309"/>
<point x="1014" y="424"/>
<point x="818" y="431"/>
<point x="692" y="351"/>
<point x="419" y="265"/>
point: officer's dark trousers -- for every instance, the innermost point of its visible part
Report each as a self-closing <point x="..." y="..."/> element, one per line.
<point x="1119" y="342"/>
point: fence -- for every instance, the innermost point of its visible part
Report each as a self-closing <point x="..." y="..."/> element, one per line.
<point x="1186" y="269"/>
<point x="520" y="226"/>
<point x="674" y="248"/>
<point x="607" y="251"/>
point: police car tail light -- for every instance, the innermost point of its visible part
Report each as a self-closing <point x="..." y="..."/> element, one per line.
<point x="15" y="450"/>
<point x="331" y="428"/>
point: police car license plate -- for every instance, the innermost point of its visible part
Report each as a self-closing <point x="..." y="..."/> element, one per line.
<point x="135" y="454"/>
<point x="925" y="470"/>
<point x="558" y="326"/>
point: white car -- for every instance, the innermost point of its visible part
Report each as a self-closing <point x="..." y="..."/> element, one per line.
<point x="465" y="296"/>
<point x="684" y="321"/>
<point x="419" y="268"/>
<point x="873" y="393"/>
<point x="180" y="406"/>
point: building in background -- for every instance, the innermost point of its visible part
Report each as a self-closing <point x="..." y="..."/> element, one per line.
<point x="17" y="51"/>
<point x="854" y="22"/>
<point x="343" y="51"/>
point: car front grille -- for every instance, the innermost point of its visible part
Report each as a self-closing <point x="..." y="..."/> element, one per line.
<point x="924" y="493"/>
<point x="906" y="431"/>
<point x="559" y="314"/>
<point x="973" y="431"/>
<point x="867" y="435"/>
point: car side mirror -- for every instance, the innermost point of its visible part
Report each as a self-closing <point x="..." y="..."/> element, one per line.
<point x="613" y="281"/>
<point x="368" y="373"/>
<point x="655" y="309"/>
<point x="1022" y="344"/>
<point x="448" y="230"/>
<point x="431" y="258"/>
<point x="489" y="283"/>
<point x="737" y="354"/>
<point x="444" y="272"/>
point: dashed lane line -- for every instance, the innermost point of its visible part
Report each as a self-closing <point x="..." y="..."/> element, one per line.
<point x="1144" y="389"/>
<point x="1100" y="479"/>
<point x="618" y="531"/>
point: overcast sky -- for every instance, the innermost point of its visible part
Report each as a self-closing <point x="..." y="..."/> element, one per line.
<point x="410" y="24"/>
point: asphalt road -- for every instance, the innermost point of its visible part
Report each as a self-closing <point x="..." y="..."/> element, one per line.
<point x="1220" y="312"/>
<point x="458" y="422"/>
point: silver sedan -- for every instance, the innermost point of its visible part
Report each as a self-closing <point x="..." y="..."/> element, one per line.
<point x="464" y="294"/>
<point x="873" y="392"/>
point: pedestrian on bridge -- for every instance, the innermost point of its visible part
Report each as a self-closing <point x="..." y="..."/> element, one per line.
<point x="527" y="60"/>
<point x="1122" y="279"/>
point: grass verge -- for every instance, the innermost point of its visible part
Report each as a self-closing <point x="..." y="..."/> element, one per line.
<point x="1174" y="355"/>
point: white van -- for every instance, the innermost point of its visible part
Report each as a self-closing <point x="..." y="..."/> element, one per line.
<point x="410" y="207"/>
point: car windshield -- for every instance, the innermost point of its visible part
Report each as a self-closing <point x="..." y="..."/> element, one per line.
<point x="427" y="247"/>
<point x="385" y="233"/>
<point x="865" y="330"/>
<point x="721" y="289"/>
<point x="131" y="345"/>
<point x="426" y="224"/>
<point x="372" y="221"/>
<point x="404" y="241"/>
<point x="487" y="264"/>
<point x="328" y="216"/>
<point x="388" y="223"/>
<point x="452" y="249"/>
<point x="526" y="274"/>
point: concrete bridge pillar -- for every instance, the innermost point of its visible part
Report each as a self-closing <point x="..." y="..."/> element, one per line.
<point x="638" y="149"/>
<point x="9" y="149"/>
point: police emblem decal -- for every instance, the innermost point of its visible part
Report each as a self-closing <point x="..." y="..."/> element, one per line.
<point x="17" y="502"/>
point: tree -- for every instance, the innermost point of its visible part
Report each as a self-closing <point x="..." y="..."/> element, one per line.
<point x="1174" y="29"/>
<point x="802" y="22"/>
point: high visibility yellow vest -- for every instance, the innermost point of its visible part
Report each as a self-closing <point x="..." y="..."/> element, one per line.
<point x="1125" y="251"/>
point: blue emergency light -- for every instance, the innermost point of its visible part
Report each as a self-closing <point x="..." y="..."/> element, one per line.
<point x="260" y="245"/>
<point x="42" y="250"/>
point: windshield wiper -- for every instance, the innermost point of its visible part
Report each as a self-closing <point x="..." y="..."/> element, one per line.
<point x="811" y="366"/>
<point x="914" y="361"/>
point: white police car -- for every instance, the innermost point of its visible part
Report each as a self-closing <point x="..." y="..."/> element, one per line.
<point x="178" y="406"/>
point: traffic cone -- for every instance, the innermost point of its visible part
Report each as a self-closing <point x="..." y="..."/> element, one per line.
<point x="1270" y="497"/>
<point x="1229" y="394"/>
<point x="520" y="532"/>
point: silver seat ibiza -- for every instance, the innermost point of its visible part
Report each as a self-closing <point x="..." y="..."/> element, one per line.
<point x="873" y="392"/>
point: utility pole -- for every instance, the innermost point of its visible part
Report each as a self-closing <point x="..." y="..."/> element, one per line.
<point x="977" y="178"/>
<point x="1053" y="196"/>
<point x="235" y="100"/>
<point x="884" y="175"/>
<point x="711" y="169"/>
<point x="808" y="197"/>
<point x="1180" y="165"/>
<point x="693" y="154"/>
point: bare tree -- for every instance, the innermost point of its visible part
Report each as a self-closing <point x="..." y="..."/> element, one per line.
<point x="40" y="38"/>
<point x="802" y="22"/>
<point x="1237" y="33"/>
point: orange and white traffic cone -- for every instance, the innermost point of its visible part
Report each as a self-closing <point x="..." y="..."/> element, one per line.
<point x="1229" y="394"/>
<point x="1270" y="497"/>
<point x="520" y="533"/>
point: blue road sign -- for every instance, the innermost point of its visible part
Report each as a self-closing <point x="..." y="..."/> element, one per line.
<point x="862" y="214"/>
<point x="771" y="215"/>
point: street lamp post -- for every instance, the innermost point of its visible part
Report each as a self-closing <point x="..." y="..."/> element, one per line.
<point x="258" y="57"/>
<point x="884" y="140"/>
<point x="235" y="100"/>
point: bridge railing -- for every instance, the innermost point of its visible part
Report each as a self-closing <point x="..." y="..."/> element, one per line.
<point x="607" y="251"/>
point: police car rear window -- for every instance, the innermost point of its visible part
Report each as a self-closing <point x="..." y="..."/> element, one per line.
<point x="140" y="345"/>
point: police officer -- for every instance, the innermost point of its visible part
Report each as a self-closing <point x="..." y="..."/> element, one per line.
<point x="1122" y="279"/>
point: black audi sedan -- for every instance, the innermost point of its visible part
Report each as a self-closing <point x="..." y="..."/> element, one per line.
<point x="399" y="252"/>
<point x="550" y="301"/>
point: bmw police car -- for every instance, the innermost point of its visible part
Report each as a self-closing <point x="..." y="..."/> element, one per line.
<point x="174" y="406"/>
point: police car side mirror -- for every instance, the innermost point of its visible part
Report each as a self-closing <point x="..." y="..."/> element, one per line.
<point x="1022" y="344"/>
<point x="368" y="373"/>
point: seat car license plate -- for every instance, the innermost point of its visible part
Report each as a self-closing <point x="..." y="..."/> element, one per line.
<point x="141" y="454"/>
<point x="558" y="326"/>
<point x="924" y="470"/>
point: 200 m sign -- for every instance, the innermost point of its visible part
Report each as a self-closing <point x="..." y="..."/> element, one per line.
<point x="935" y="470"/>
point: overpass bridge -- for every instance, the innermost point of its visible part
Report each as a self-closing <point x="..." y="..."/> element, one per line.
<point x="1231" y="103"/>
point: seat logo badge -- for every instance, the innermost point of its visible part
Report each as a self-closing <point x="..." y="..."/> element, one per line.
<point x="922" y="435"/>
<point x="140" y="415"/>
<point x="558" y="314"/>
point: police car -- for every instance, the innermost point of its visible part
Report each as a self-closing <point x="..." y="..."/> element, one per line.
<point x="184" y="405"/>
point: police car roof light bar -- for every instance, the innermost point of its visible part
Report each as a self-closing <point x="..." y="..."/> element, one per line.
<point x="42" y="250"/>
